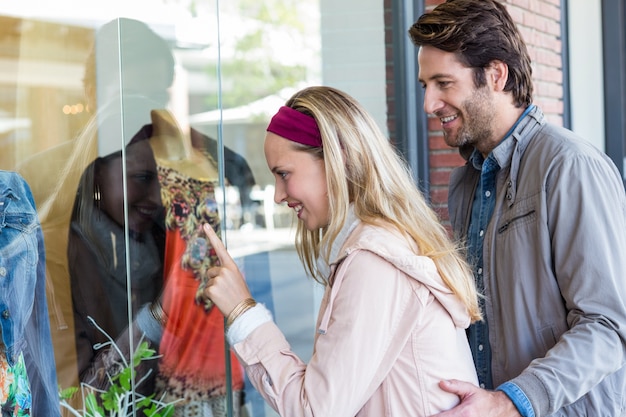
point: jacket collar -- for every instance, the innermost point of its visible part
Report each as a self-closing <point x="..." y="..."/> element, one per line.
<point x="395" y="248"/>
<point x="508" y="153"/>
<point x="352" y="221"/>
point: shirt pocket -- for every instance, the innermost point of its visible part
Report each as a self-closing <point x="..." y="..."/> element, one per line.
<point x="522" y="213"/>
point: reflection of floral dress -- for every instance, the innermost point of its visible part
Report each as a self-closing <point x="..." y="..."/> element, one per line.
<point x="15" y="398"/>
<point x="193" y="363"/>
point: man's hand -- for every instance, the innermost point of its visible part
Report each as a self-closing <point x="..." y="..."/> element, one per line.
<point x="477" y="402"/>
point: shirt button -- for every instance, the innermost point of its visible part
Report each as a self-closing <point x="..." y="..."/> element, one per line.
<point x="482" y="232"/>
<point x="6" y="314"/>
<point x="480" y="271"/>
<point x="482" y="386"/>
<point x="3" y="272"/>
<point x="488" y="193"/>
<point x="480" y="347"/>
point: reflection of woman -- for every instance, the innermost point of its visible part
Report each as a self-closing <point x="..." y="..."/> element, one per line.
<point x="193" y="364"/>
<point x="147" y="73"/>
<point x="100" y="276"/>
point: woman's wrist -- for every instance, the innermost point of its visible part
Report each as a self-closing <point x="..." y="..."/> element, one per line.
<point x="239" y="309"/>
<point x="149" y="325"/>
<point x="156" y="310"/>
<point x="247" y="322"/>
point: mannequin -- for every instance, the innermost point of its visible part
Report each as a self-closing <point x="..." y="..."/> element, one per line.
<point x="188" y="177"/>
<point x="173" y="148"/>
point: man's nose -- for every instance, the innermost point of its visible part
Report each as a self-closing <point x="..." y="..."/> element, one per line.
<point x="432" y="101"/>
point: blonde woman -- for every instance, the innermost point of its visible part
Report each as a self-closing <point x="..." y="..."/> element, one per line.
<point x="398" y="294"/>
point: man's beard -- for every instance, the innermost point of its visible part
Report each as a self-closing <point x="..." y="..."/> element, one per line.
<point x="478" y="113"/>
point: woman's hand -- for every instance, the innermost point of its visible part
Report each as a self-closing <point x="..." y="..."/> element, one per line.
<point x="226" y="286"/>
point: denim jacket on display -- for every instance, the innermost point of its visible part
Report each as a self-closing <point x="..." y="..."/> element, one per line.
<point x="23" y="308"/>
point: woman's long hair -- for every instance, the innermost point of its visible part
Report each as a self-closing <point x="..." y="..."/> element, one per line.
<point x="363" y="169"/>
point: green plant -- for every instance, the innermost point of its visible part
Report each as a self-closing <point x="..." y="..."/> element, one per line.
<point x="119" y="399"/>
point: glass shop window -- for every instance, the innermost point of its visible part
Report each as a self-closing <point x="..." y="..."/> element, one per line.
<point x="135" y="122"/>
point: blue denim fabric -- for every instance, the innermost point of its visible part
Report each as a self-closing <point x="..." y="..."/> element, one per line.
<point x="518" y="397"/>
<point x="23" y="306"/>
<point x="482" y="209"/>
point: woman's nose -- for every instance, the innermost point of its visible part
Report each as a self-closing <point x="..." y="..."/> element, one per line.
<point x="279" y="194"/>
<point x="153" y="192"/>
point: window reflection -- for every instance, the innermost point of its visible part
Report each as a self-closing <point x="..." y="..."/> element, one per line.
<point x="116" y="130"/>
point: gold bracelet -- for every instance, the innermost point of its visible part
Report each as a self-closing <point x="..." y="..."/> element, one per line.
<point x="239" y="309"/>
<point x="156" y="309"/>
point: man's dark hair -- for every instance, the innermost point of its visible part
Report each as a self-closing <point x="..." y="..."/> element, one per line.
<point x="479" y="32"/>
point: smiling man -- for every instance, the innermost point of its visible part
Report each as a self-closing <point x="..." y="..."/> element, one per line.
<point x="543" y="215"/>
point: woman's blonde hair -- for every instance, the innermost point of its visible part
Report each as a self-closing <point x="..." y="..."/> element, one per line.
<point x="363" y="169"/>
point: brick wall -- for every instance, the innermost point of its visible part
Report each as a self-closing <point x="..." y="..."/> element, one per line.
<point x="540" y="24"/>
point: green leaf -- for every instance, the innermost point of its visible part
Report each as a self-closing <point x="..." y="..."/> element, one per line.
<point x="68" y="393"/>
<point x="91" y="404"/>
<point x="119" y="393"/>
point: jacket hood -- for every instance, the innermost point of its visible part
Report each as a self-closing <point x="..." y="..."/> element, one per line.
<point x="395" y="249"/>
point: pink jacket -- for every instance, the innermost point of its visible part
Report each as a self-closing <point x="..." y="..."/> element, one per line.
<point x="388" y="331"/>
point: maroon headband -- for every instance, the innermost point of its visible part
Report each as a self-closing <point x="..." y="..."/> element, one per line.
<point x="295" y="126"/>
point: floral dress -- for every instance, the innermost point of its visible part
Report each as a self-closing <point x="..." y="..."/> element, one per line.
<point x="192" y="367"/>
<point x="15" y="396"/>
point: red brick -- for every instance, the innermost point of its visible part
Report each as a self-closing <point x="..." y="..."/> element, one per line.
<point x="436" y="142"/>
<point x="445" y="159"/>
<point x="440" y="177"/>
<point x="434" y="124"/>
<point x="439" y="195"/>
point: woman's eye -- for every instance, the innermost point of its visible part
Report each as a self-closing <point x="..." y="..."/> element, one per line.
<point x="145" y="176"/>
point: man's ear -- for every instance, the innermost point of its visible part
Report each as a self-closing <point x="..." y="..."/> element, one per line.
<point x="498" y="74"/>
